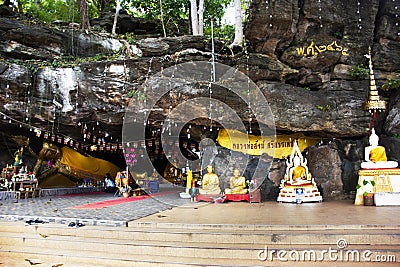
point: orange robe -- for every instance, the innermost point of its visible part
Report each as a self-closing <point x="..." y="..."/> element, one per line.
<point x="378" y="154"/>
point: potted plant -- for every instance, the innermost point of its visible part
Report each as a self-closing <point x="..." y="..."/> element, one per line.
<point x="368" y="188"/>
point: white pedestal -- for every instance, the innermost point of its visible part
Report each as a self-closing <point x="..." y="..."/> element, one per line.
<point x="387" y="199"/>
<point x="386" y="181"/>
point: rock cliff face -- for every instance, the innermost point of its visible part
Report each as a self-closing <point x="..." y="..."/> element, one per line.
<point x="300" y="54"/>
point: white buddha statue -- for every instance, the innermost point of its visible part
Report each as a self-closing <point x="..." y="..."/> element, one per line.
<point x="375" y="155"/>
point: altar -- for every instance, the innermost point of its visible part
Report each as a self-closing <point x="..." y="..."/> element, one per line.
<point x="237" y="197"/>
<point x="387" y="185"/>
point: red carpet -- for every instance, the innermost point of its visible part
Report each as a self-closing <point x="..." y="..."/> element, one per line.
<point x="120" y="200"/>
<point x="82" y="194"/>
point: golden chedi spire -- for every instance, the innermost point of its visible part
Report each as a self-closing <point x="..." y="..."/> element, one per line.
<point x="374" y="103"/>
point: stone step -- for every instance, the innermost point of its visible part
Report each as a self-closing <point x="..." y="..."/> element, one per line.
<point x="221" y="236"/>
<point x="192" y="245"/>
<point x="261" y="227"/>
<point x="78" y="257"/>
<point x="165" y="248"/>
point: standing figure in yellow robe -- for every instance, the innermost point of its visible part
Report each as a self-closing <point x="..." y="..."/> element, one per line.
<point x="237" y="184"/>
<point x="210" y="182"/>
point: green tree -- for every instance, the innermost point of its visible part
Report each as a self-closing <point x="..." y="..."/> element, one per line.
<point x="176" y="11"/>
<point x="51" y="10"/>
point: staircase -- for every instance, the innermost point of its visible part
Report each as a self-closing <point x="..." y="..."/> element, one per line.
<point x="171" y="244"/>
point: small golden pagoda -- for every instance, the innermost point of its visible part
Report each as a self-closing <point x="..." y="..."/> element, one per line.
<point x="374" y="103"/>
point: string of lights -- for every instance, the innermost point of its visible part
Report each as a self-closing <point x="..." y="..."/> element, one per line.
<point x="359" y="20"/>
<point x="396" y="9"/>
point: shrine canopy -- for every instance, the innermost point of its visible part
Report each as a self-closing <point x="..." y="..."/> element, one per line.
<point x="87" y="165"/>
<point x="279" y="146"/>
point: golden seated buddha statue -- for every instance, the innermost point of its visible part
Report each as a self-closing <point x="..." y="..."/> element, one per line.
<point x="210" y="182"/>
<point x="237" y="184"/>
<point x="298" y="185"/>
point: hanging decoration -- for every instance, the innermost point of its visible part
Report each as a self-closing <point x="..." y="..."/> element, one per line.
<point x="212" y="76"/>
<point x="269" y="12"/>
<point x="145" y="91"/>
<point x="374" y="103"/>
<point x="7" y="88"/>
<point x="66" y="140"/>
<point x="396" y="9"/>
<point x="77" y="95"/>
<point x="28" y="105"/>
<point x="319" y="13"/>
<point x="359" y="24"/>
<point x="249" y="110"/>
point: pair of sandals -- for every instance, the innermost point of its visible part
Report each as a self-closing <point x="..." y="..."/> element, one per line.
<point x="72" y="224"/>
<point x="30" y="222"/>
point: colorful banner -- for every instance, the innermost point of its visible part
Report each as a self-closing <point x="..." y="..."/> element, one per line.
<point x="279" y="146"/>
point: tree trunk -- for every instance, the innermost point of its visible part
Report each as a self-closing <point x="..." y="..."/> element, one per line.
<point x="162" y="19"/>
<point x="201" y="17"/>
<point x="84" y="14"/>
<point x="238" y="25"/>
<point x="193" y="14"/>
<point x="116" y="17"/>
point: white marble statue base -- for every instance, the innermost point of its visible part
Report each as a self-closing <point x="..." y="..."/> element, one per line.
<point x="387" y="199"/>
<point x="299" y="195"/>
<point x="379" y="165"/>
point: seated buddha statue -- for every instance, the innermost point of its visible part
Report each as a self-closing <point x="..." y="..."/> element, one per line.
<point x="375" y="155"/>
<point x="298" y="172"/>
<point x="237" y="184"/>
<point x="210" y="182"/>
<point x="298" y="185"/>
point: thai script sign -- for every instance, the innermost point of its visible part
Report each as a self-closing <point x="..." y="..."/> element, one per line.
<point x="279" y="146"/>
<point x="314" y="50"/>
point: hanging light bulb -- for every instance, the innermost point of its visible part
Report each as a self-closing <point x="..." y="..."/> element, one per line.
<point x="359" y="15"/>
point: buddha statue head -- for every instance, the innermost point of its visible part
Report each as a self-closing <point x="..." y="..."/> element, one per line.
<point x="210" y="168"/>
<point x="373" y="138"/>
<point x="296" y="160"/>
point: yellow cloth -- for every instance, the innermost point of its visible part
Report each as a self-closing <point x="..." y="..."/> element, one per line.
<point x="378" y="154"/>
<point x="279" y="146"/>
<point x="92" y="165"/>
<point x="299" y="173"/>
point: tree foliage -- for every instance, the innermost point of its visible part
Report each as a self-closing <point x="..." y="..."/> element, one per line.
<point x="176" y="13"/>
